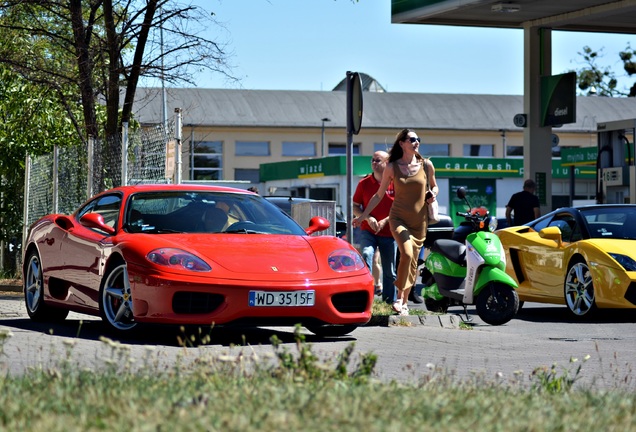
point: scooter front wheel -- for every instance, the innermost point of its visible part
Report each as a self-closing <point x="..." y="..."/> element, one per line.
<point x="497" y="303"/>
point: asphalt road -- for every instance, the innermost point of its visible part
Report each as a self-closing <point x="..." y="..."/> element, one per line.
<point x="540" y="336"/>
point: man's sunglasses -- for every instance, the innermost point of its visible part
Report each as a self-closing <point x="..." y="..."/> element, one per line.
<point x="413" y="139"/>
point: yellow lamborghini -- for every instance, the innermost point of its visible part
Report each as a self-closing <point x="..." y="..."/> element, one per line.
<point x="583" y="257"/>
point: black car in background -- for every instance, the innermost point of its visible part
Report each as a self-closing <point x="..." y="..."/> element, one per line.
<point x="285" y="204"/>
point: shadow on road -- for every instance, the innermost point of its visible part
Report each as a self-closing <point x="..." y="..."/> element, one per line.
<point x="560" y="314"/>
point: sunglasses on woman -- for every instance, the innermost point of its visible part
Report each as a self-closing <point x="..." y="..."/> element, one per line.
<point x="414" y="140"/>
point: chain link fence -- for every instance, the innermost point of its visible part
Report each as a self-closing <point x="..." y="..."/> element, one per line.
<point x="61" y="181"/>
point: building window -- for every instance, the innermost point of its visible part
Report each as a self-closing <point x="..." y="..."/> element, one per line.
<point x="299" y="149"/>
<point x="207" y="160"/>
<point x="435" y="149"/>
<point x="252" y="148"/>
<point x="341" y="149"/>
<point x="483" y="150"/>
<point x="514" y="150"/>
<point x="247" y="174"/>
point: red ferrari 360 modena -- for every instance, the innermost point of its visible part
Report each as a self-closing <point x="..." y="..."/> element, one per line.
<point x="193" y="255"/>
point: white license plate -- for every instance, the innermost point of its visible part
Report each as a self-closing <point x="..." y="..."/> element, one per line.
<point x="282" y="298"/>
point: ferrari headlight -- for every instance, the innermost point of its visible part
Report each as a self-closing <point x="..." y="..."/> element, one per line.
<point x="627" y="262"/>
<point x="345" y="260"/>
<point x="178" y="259"/>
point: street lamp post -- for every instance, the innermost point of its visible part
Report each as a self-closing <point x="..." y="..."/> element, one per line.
<point x="323" y="135"/>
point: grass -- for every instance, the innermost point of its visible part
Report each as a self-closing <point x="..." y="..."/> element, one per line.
<point x="295" y="390"/>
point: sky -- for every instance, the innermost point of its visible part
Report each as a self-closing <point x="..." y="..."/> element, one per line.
<point x="311" y="44"/>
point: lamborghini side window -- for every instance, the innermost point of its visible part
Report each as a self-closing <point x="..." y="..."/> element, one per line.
<point x="577" y="234"/>
<point x="567" y="225"/>
<point x="542" y="223"/>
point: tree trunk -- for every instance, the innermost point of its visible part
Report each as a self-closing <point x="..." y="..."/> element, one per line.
<point x="133" y="79"/>
<point x="85" y="67"/>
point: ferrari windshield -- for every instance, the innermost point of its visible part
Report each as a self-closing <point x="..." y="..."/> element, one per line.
<point x="206" y="212"/>
<point x="611" y="222"/>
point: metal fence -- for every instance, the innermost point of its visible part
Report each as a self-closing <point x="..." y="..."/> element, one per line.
<point x="61" y="181"/>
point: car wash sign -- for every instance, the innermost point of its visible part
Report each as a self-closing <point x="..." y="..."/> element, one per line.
<point x="314" y="167"/>
<point x="558" y="99"/>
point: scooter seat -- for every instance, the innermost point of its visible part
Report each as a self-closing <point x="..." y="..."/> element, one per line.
<point x="453" y="250"/>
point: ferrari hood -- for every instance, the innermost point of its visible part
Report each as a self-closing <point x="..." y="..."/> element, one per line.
<point x="255" y="254"/>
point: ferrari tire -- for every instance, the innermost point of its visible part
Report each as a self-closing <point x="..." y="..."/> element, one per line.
<point x="437" y="306"/>
<point x="115" y="300"/>
<point x="578" y="288"/>
<point x="33" y="282"/>
<point x="331" y="330"/>
<point x="497" y="303"/>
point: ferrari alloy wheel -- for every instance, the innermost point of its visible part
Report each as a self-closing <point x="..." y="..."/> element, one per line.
<point x="497" y="303"/>
<point x="115" y="300"/>
<point x="34" y="293"/>
<point x="331" y="330"/>
<point x="579" y="289"/>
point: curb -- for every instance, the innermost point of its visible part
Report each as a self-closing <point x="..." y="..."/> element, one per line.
<point x="448" y="321"/>
<point x="10" y="287"/>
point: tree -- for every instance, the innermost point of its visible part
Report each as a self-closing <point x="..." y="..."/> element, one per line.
<point x="30" y="123"/>
<point x="602" y="81"/>
<point x="101" y="49"/>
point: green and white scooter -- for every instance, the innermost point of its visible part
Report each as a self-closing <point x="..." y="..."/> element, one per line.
<point x="474" y="272"/>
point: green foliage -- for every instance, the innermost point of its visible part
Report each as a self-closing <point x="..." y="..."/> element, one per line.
<point x="594" y="79"/>
<point x="628" y="57"/>
<point x="549" y="380"/>
<point x="31" y="122"/>
<point x="34" y="117"/>
<point x="305" y="365"/>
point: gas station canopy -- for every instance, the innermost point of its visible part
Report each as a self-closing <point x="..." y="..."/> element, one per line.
<point x="537" y="19"/>
<point x="570" y="15"/>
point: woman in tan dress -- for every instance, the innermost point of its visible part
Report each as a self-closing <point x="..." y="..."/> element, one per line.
<point x="408" y="219"/>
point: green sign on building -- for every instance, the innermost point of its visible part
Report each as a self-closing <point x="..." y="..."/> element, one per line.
<point x="579" y="156"/>
<point x="445" y="167"/>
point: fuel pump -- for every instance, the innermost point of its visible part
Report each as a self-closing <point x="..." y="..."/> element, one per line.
<point x="615" y="166"/>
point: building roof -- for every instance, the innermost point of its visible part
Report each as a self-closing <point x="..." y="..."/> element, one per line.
<point x="301" y="109"/>
<point x="368" y="83"/>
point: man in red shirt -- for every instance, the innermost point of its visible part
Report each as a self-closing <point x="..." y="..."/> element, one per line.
<point x="375" y="231"/>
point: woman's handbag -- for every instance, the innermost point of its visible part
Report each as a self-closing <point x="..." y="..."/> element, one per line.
<point x="433" y="212"/>
<point x="433" y="208"/>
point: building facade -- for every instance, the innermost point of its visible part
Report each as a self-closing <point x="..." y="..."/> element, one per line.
<point x="227" y="135"/>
